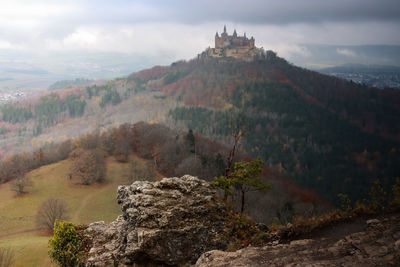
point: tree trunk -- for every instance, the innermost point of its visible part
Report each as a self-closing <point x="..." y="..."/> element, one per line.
<point x="242" y="206"/>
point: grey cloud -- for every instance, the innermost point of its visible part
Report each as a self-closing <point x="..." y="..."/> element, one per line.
<point x="250" y="11"/>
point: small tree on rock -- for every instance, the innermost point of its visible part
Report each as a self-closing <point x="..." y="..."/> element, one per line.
<point x="246" y="177"/>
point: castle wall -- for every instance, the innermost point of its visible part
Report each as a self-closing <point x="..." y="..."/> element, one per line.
<point x="231" y="41"/>
<point x="234" y="46"/>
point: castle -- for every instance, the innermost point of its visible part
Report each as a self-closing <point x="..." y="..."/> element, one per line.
<point x="234" y="46"/>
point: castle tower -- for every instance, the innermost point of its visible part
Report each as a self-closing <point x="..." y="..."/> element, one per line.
<point x="224" y="34"/>
<point x="240" y="47"/>
<point x="219" y="41"/>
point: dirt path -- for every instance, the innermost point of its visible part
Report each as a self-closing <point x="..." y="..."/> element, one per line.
<point x="19" y="232"/>
<point x="376" y="244"/>
<point x="85" y="201"/>
<point x="338" y="230"/>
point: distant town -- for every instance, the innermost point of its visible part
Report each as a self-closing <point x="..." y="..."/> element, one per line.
<point x="6" y="97"/>
<point x="377" y="76"/>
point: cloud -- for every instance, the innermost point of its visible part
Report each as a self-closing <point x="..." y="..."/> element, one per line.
<point x="5" y="44"/>
<point x="250" y="11"/>
<point x="182" y="28"/>
<point x="284" y="12"/>
<point x="346" y="52"/>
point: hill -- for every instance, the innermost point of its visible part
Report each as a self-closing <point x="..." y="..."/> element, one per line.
<point x="139" y="151"/>
<point x="67" y="83"/>
<point x="85" y="204"/>
<point x="327" y="134"/>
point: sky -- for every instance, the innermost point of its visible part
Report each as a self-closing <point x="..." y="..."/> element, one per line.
<point x="180" y="29"/>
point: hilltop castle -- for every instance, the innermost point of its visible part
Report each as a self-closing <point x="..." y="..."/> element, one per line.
<point x="233" y="46"/>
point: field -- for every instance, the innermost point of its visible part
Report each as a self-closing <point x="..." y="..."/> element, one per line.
<point x="86" y="204"/>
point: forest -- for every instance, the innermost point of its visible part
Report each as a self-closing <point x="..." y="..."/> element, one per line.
<point x="170" y="153"/>
<point x="326" y="134"/>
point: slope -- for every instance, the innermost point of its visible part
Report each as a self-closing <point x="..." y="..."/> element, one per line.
<point x="85" y="204"/>
<point x="328" y="134"/>
<point x="323" y="132"/>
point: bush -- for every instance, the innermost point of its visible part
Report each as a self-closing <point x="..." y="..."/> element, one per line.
<point x="395" y="201"/>
<point x="66" y="248"/>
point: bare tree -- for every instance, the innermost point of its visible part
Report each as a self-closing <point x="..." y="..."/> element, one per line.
<point x="190" y="165"/>
<point x="20" y="185"/>
<point x="140" y="171"/>
<point x="49" y="211"/>
<point x="7" y="257"/>
<point x="238" y="129"/>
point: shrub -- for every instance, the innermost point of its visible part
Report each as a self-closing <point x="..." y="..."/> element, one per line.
<point x="378" y="197"/>
<point x="345" y="203"/>
<point x="395" y="201"/>
<point x="66" y="246"/>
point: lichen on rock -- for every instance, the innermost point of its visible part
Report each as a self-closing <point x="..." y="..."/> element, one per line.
<point x="168" y="222"/>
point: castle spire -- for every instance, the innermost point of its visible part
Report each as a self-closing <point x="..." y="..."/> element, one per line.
<point x="224" y="28"/>
<point x="245" y="35"/>
<point x="234" y="33"/>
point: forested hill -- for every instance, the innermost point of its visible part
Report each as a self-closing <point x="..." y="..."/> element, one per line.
<point x="328" y="134"/>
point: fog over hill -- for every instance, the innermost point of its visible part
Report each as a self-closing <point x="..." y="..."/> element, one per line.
<point x="57" y="40"/>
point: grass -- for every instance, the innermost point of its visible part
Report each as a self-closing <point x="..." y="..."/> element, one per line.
<point x="86" y="204"/>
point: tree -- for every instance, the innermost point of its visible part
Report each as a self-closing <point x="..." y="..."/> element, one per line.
<point x="246" y="177"/>
<point x="122" y="149"/>
<point x="140" y="171"/>
<point x="190" y="165"/>
<point x="88" y="165"/>
<point x="49" y="211"/>
<point x="191" y="141"/>
<point x="20" y="185"/>
<point x="237" y="134"/>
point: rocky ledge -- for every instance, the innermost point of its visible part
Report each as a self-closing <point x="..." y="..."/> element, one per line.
<point x="169" y="222"/>
<point x="377" y="244"/>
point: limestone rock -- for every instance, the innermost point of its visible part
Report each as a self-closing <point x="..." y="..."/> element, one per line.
<point x="373" y="246"/>
<point x="172" y="221"/>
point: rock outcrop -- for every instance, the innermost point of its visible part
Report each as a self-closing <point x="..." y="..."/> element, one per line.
<point x="378" y="244"/>
<point x="169" y="222"/>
